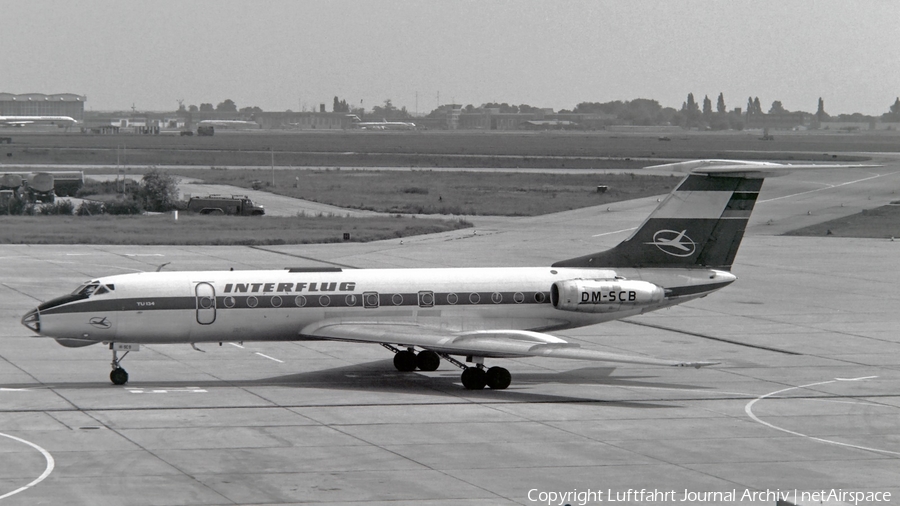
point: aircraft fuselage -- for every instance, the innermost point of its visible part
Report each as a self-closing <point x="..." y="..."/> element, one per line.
<point x="270" y="305"/>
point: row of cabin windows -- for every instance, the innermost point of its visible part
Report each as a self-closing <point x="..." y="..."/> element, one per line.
<point x="372" y="300"/>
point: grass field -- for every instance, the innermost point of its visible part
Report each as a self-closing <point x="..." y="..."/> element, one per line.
<point x="445" y="192"/>
<point x="212" y="230"/>
<point x="418" y="191"/>
<point x="881" y="222"/>
<point x="603" y="149"/>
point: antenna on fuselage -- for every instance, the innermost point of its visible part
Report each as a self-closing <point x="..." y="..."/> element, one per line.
<point x="161" y="266"/>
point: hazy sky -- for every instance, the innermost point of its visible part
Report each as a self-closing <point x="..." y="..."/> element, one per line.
<point x="280" y="54"/>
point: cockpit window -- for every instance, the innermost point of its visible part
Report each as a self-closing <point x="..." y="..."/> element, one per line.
<point x="101" y="290"/>
<point x="87" y="289"/>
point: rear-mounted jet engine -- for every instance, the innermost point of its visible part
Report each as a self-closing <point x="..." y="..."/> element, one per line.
<point x="601" y="296"/>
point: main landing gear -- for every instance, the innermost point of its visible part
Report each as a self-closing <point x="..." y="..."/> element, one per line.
<point x="118" y="375"/>
<point x="473" y="378"/>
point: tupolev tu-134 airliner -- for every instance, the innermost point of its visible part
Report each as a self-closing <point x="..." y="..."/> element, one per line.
<point x="684" y="250"/>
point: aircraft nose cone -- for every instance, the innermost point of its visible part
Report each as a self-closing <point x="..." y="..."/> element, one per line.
<point x="32" y="320"/>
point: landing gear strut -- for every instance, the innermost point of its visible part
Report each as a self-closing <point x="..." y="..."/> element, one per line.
<point x="118" y="375"/>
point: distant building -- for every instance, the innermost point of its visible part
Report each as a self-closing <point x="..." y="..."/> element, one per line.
<point x="39" y="104"/>
<point x="304" y="120"/>
<point x="490" y="118"/>
<point x="778" y="121"/>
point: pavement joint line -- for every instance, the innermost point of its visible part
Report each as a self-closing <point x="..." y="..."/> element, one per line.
<point x="713" y="338"/>
<point x="21" y="292"/>
<point x="260" y="248"/>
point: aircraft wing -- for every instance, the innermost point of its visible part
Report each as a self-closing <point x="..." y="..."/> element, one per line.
<point x="482" y="343"/>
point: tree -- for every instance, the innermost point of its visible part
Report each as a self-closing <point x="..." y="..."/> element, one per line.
<point x="691" y="110"/>
<point x="158" y="191"/>
<point x="206" y="108"/>
<point x="340" y="105"/>
<point x="720" y="104"/>
<point x="193" y="108"/>
<point x="821" y="115"/>
<point x="226" y="106"/>
<point x="894" y="112"/>
<point x="388" y="111"/>
<point x="707" y="106"/>
<point x="757" y="109"/>
<point x="777" y="108"/>
<point x="250" y="110"/>
<point x="749" y="106"/>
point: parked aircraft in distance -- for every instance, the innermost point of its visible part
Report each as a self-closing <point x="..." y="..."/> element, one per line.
<point x="229" y="123"/>
<point x="683" y="251"/>
<point x="17" y="121"/>
<point x="381" y="125"/>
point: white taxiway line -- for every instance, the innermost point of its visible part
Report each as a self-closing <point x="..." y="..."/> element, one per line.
<point x="50" y="465"/>
<point x="270" y="358"/>
<point x="826" y="188"/>
<point x="749" y="410"/>
<point x="616" y="232"/>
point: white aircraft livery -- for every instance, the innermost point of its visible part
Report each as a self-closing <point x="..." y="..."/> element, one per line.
<point x="683" y="251"/>
<point x="381" y="125"/>
<point x="27" y="120"/>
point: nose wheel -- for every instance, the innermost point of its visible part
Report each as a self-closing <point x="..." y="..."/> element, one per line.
<point x="118" y="375"/>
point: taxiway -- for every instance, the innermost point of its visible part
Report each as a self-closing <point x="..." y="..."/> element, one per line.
<point x="805" y="398"/>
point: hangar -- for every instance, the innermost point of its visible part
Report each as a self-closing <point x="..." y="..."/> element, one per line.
<point x="39" y="104"/>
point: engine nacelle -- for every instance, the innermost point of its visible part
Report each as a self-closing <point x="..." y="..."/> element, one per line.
<point x="602" y="296"/>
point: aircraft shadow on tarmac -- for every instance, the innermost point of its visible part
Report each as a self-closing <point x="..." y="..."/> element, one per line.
<point x="381" y="377"/>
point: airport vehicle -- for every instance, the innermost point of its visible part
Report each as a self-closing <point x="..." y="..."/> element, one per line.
<point x="239" y="205"/>
<point x="67" y="183"/>
<point x="41" y="184"/>
<point x="18" y="121"/>
<point x="37" y="187"/>
<point x="206" y="130"/>
<point x="381" y="125"/>
<point x="683" y="251"/>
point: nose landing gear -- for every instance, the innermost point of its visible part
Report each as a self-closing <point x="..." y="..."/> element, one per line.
<point x="118" y="375"/>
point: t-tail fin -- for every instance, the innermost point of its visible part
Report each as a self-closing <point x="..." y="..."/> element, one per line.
<point x="700" y="224"/>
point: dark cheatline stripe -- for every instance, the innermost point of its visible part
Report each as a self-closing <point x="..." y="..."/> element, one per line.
<point x="329" y="300"/>
<point x="143" y="304"/>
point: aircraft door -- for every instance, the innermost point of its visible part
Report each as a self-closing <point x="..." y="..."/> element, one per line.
<point x="206" y="303"/>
